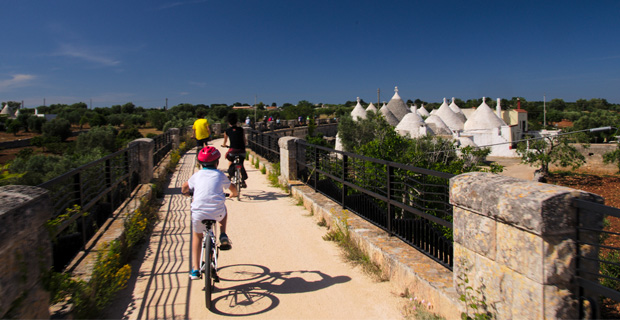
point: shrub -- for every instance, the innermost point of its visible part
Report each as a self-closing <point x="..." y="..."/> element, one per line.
<point x="60" y="128"/>
<point x="98" y="137"/>
<point x="127" y="135"/>
<point x="35" y="124"/>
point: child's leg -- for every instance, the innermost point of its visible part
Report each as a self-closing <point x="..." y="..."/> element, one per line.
<point x="223" y="224"/>
<point x="196" y="246"/>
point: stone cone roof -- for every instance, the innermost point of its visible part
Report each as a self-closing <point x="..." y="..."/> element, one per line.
<point x="437" y="125"/>
<point x="466" y="141"/>
<point x="411" y="124"/>
<point x="397" y="106"/>
<point x="389" y="116"/>
<point x="372" y="108"/>
<point x="6" y="109"/>
<point x="423" y="112"/>
<point x="454" y="122"/>
<point x="483" y="118"/>
<point x="358" y="111"/>
<point x="457" y="110"/>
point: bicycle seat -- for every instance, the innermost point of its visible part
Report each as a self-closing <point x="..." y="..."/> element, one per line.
<point x="208" y="222"/>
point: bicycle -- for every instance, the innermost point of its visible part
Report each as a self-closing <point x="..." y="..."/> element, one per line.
<point x="208" y="260"/>
<point x="237" y="178"/>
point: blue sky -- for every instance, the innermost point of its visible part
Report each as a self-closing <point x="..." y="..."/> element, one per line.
<point x="226" y="51"/>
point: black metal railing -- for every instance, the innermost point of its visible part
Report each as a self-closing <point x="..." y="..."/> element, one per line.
<point x="265" y="145"/>
<point x="163" y="145"/>
<point x="598" y="260"/>
<point x="408" y="202"/>
<point x="84" y="198"/>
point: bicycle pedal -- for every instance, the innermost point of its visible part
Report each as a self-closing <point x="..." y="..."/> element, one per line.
<point x="225" y="247"/>
<point x="216" y="278"/>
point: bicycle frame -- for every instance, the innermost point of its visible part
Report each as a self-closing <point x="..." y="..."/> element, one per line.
<point x="208" y="267"/>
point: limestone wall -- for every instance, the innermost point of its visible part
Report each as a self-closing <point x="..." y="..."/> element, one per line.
<point x="514" y="240"/>
<point x="25" y="251"/>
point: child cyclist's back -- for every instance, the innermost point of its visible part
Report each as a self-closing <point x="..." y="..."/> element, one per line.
<point x="207" y="186"/>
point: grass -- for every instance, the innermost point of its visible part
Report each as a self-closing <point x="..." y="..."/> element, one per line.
<point x="352" y="251"/>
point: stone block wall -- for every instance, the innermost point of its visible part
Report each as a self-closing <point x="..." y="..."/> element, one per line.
<point x="514" y="240"/>
<point x="25" y="251"/>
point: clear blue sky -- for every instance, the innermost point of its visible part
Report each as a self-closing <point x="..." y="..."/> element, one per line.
<point x="226" y="51"/>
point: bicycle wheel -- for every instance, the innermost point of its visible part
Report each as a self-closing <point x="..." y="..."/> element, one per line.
<point x="238" y="176"/>
<point x="209" y="286"/>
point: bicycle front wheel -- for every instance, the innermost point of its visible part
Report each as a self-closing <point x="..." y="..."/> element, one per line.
<point x="209" y="284"/>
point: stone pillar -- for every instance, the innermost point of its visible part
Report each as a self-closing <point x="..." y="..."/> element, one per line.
<point x="288" y="157"/>
<point x="145" y="158"/>
<point x="175" y="135"/>
<point x="25" y="251"/>
<point x="216" y="129"/>
<point x="514" y="240"/>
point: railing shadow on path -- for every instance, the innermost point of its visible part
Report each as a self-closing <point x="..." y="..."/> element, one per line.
<point x="257" y="293"/>
<point x="165" y="285"/>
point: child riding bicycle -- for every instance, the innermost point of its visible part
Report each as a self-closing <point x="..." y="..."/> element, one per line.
<point x="237" y="147"/>
<point x="207" y="186"/>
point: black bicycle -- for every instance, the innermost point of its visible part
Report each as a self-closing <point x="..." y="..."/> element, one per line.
<point x="208" y="260"/>
<point x="237" y="178"/>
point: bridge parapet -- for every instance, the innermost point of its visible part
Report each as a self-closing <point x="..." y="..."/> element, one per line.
<point x="514" y="240"/>
<point x="25" y="251"/>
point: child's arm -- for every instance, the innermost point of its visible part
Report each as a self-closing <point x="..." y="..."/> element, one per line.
<point x="185" y="188"/>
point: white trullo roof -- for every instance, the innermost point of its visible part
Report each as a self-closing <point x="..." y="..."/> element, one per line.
<point x="389" y="116"/>
<point x="423" y="112"/>
<point x="437" y="125"/>
<point x="6" y="109"/>
<point x="483" y="118"/>
<point x="397" y="106"/>
<point x="448" y="116"/>
<point x="411" y="124"/>
<point x="413" y="108"/>
<point x="371" y="107"/>
<point x="358" y="111"/>
<point x="457" y="110"/>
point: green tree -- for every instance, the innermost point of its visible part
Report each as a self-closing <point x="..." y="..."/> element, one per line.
<point x="98" y="137"/>
<point x="60" y="128"/>
<point x="35" y="124"/>
<point x="547" y="151"/>
<point x="613" y="157"/>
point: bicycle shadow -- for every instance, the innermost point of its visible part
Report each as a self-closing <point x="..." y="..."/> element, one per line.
<point x="258" y="292"/>
<point x="259" y="195"/>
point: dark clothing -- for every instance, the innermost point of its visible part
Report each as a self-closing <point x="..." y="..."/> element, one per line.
<point x="237" y="146"/>
<point x="202" y="143"/>
<point x="235" y="135"/>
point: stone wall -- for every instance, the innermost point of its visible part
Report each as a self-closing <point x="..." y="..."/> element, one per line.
<point x="25" y="251"/>
<point x="514" y="240"/>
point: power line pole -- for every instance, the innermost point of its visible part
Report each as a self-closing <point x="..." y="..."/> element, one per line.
<point x="378" y="96"/>
<point x="255" y="107"/>
<point x="544" y="111"/>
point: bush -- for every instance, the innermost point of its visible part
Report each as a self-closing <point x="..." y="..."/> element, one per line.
<point x="127" y="135"/>
<point x="35" y="124"/>
<point x="60" y="128"/>
<point x="98" y="137"/>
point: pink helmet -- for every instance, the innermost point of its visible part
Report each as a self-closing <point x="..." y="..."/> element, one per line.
<point x="208" y="154"/>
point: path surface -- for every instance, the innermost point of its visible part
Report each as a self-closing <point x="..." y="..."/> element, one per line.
<point x="279" y="267"/>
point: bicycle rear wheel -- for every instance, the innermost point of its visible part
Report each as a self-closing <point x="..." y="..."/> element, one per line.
<point x="238" y="176"/>
<point x="209" y="285"/>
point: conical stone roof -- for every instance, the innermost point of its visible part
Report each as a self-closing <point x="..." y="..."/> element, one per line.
<point x="397" y="106"/>
<point x="457" y="110"/>
<point x="388" y="115"/>
<point x="437" y="125"/>
<point x="6" y="109"/>
<point x="372" y="108"/>
<point x="358" y="111"/>
<point x="423" y="112"/>
<point x="411" y="124"/>
<point x="454" y="122"/>
<point x="483" y="118"/>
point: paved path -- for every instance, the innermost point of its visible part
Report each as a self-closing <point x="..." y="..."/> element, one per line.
<point x="279" y="267"/>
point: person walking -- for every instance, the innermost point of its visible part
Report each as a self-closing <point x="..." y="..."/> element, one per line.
<point x="202" y="132"/>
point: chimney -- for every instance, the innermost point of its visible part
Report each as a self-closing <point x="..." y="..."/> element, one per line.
<point x="518" y="104"/>
<point x="499" y="108"/>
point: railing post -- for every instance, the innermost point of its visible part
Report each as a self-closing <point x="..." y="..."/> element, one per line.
<point x="345" y="167"/>
<point x="390" y="193"/>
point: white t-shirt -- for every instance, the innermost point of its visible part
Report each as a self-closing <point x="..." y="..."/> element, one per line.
<point x="209" y="200"/>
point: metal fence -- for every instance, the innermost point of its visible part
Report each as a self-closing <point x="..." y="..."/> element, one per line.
<point x="598" y="262"/>
<point x="264" y="144"/>
<point x="163" y="145"/>
<point x="408" y="202"/>
<point x="97" y="189"/>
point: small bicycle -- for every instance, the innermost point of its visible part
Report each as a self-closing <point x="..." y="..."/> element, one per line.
<point x="237" y="178"/>
<point x="208" y="260"/>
